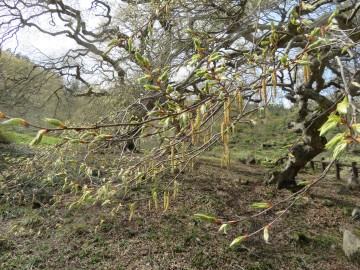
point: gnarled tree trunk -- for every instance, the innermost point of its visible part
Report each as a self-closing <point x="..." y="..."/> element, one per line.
<point x="302" y="152"/>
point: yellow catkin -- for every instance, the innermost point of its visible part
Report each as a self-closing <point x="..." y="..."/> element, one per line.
<point x="306" y="68"/>
<point x="222" y="131"/>
<point x="156" y="200"/>
<point x="132" y="211"/>
<point x="263" y="84"/>
<point x="172" y="159"/>
<point x="166" y="200"/>
<point x="183" y="150"/>
<point x="197" y="119"/>
<point x="192" y="132"/>
<point x="239" y="101"/>
<point x="207" y="136"/>
<point x="274" y="82"/>
<point x="225" y="136"/>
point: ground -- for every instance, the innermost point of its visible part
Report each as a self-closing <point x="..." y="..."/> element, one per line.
<point x="98" y="237"/>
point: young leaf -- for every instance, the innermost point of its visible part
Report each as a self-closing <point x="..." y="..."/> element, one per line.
<point x="339" y="149"/>
<point x="316" y="44"/>
<point x="197" y="44"/>
<point x="55" y="122"/>
<point x="38" y="137"/>
<point x="237" y="241"/>
<point x="335" y="141"/>
<point x="207" y="218"/>
<point x="303" y="183"/>
<point x="223" y="228"/>
<point x="129" y="43"/>
<point x="343" y="106"/>
<point x="284" y="58"/>
<point x="260" y="205"/>
<point x="113" y="42"/>
<point x="335" y="13"/>
<point x="144" y="79"/>
<point x="14" y="122"/>
<point x="214" y="57"/>
<point x="102" y="137"/>
<point x="169" y="89"/>
<point x="307" y="7"/>
<point x="315" y="32"/>
<point x="303" y="62"/>
<point x="140" y="59"/>
<point x="164" y="76"/>
<point x="151" y="87"/>
<point x="356" y="84"/>
<point x="356" y="128"/>
<point x="266" y="233"/>
<point x="330" y="124"/>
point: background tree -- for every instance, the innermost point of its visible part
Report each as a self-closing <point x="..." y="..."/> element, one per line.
<point x="231" y="55"/>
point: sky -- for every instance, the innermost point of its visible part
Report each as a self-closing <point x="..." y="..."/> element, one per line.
<point x="34" y="44"/>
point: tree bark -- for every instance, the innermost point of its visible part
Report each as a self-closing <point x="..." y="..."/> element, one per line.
<point x="302" y="152"/>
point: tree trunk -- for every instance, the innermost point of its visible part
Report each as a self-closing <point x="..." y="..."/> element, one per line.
<point x="303" y="151"/>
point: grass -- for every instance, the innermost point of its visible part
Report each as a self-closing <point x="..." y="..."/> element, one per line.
<point x="25" y="138"/>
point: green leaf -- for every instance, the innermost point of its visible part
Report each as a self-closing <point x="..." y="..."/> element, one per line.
<point x="169" y="89"/>
<point x="333" y="15"/>
<point x="317" y="44"/>
<point x="206" y="218"/>
<point x="129" y="43"/>
<point x="307" y="7"/>
<point x="356" y="84"/>
<point x="339" y="149"/>
<point x="335" y="141"/>
<point x="343" y="106"/>
<point x="200" y="72"/>
<point x="197" y="44"/>
<point x="164" y="76"/>
<point x="143" y="79"/>
<point x="142" y="60"/>
<point x="260" y="205"/>
<point x="88" y="134"/>
<point x="266" y="233"/>
<point x="151" y="87"/>
<point x="113" y="42"/>
<point x="237" y="241"/>
<point x="139" y="57"/>
<point x="223" y="228"/>
<point x="38" y="137"/>
<point x="14" y="122"/>
<point x="356" y="128"/>
<point x="248" y="56"/>
<point x="55" y="122"/>
<point x="284" y="59"/>
<point x="214" y="57"/>
<point x="303" y="62"/>
<point x="330" y="124"/>
<point x="303" y="183"/>
<point x="315" y="32"/>
<point x="294" y="13"/>
<point x="102" y="137"/>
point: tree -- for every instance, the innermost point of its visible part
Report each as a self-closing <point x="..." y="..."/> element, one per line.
<point x="234" y="54"/>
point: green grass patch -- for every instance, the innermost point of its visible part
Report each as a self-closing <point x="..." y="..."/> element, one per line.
<point x="23" y="138"/>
